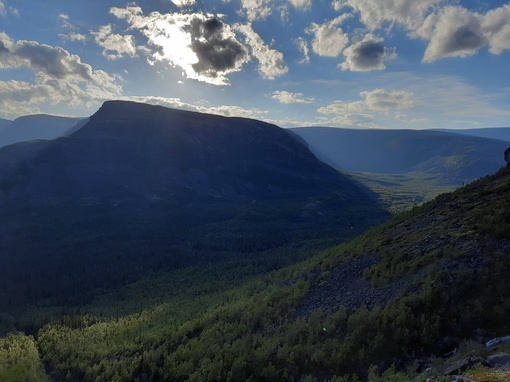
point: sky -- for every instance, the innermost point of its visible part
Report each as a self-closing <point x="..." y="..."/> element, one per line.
<point x="341" y="63"/>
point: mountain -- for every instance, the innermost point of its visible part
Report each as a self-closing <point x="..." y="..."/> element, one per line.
<point x="501" y="133"/>
<point x="402" y="297"/>
<point x="32" y="127"/>
<point x="455" y="158"/>
<point x="4" y="123"/>
<point x="141" y="189"/>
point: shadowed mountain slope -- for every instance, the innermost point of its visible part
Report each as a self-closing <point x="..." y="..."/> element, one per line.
<point x="144" y="188"/>
<point x="130" y="150"/>
<point x="456" y="158"/>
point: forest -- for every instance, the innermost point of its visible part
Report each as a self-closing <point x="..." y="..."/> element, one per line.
<point x="231" y="322"/>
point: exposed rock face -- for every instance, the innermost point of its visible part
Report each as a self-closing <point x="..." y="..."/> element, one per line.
<point x="507" y="156"/>
<point x="465" y="364"/>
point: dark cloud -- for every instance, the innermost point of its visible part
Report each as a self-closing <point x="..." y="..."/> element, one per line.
<point x="216" y="50"/>
<point x="53" y="61"/>
<point x="368" y="54"/>
<point x="465" y="38"/>
<point x="3" y="48"/>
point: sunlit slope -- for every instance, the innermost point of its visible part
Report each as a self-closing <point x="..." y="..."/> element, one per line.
<point x="429" y="279"/>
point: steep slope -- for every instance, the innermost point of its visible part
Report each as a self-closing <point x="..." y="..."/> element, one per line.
<point x="456" y="158"/>
<point x="429" y="279"/>
<point x="32" y="127"/>
<point x="141" y="188"/>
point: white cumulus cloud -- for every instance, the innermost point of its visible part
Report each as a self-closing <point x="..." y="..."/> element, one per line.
<point x="182" y="3"/>
<point x="329" y="39"/>
<point x="114" y="45"/>
<point x="60" y="77"/>
<point x="301" y="4"/>
<point x="286" y="97"/>
<point x="271" y="62"/>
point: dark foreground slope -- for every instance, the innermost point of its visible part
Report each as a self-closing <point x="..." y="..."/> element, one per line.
<point x="143" y="190"/>
<point x="430" y="278"/>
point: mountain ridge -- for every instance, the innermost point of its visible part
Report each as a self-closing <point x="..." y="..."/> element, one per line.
<point x="35" y="127"/>
<point x="459" y="157"/>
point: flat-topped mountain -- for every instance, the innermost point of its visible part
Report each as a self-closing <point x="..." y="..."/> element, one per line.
<point x="142" y="187"/>
<point x="131" y="150"/>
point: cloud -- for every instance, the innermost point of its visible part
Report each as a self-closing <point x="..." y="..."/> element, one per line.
<point x="361" y="113"/>
<point x="114" y="45"/>
<point x="204" y="47"/>
<point x="5" y="11"/>
<point x="366" y="55"/>
<point x="59" y="77"/>
<point x="256" y="9"/>
<point x="73" y="36"/>
<point x="303" y="47"/>
<point x="496" y="27"/>
<point x="453" y="32"/>
<point x="182" y="3"/>
<point x="384" y="100"/>
<point x="374" y="14"/>
<point x="225" y="110"/>
<point x="271" y="63"/>
<point x="285" y="97"/>
<point x="64" y="21"/>
<point x="66" y="24"/>
<point x="329" y="39"/>
<point x="301" y="4"/>
<point x="55" y="62"/>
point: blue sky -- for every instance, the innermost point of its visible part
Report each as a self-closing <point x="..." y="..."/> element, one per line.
<point x="346" y="63"/>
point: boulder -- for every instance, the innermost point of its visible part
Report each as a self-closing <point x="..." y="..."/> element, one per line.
<point x="464" y="364"/>
<point x="500" y="360"/>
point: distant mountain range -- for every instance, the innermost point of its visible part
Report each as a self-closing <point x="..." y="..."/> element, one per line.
<point x="32" y="127"/>
<point x="454" y="156"/>
<point x="502" y="133"/>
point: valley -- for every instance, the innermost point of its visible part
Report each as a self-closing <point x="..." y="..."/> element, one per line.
<point x="154" y="244"/>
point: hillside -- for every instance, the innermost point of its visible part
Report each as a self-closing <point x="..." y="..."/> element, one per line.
<point x="402" y="293"/>
<point x="142" y="191"/>
<point x="456" y="158"/>
<point x="4" y="123"/>
<point x="501" y="133"/>
<point x="32" y="127"/>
